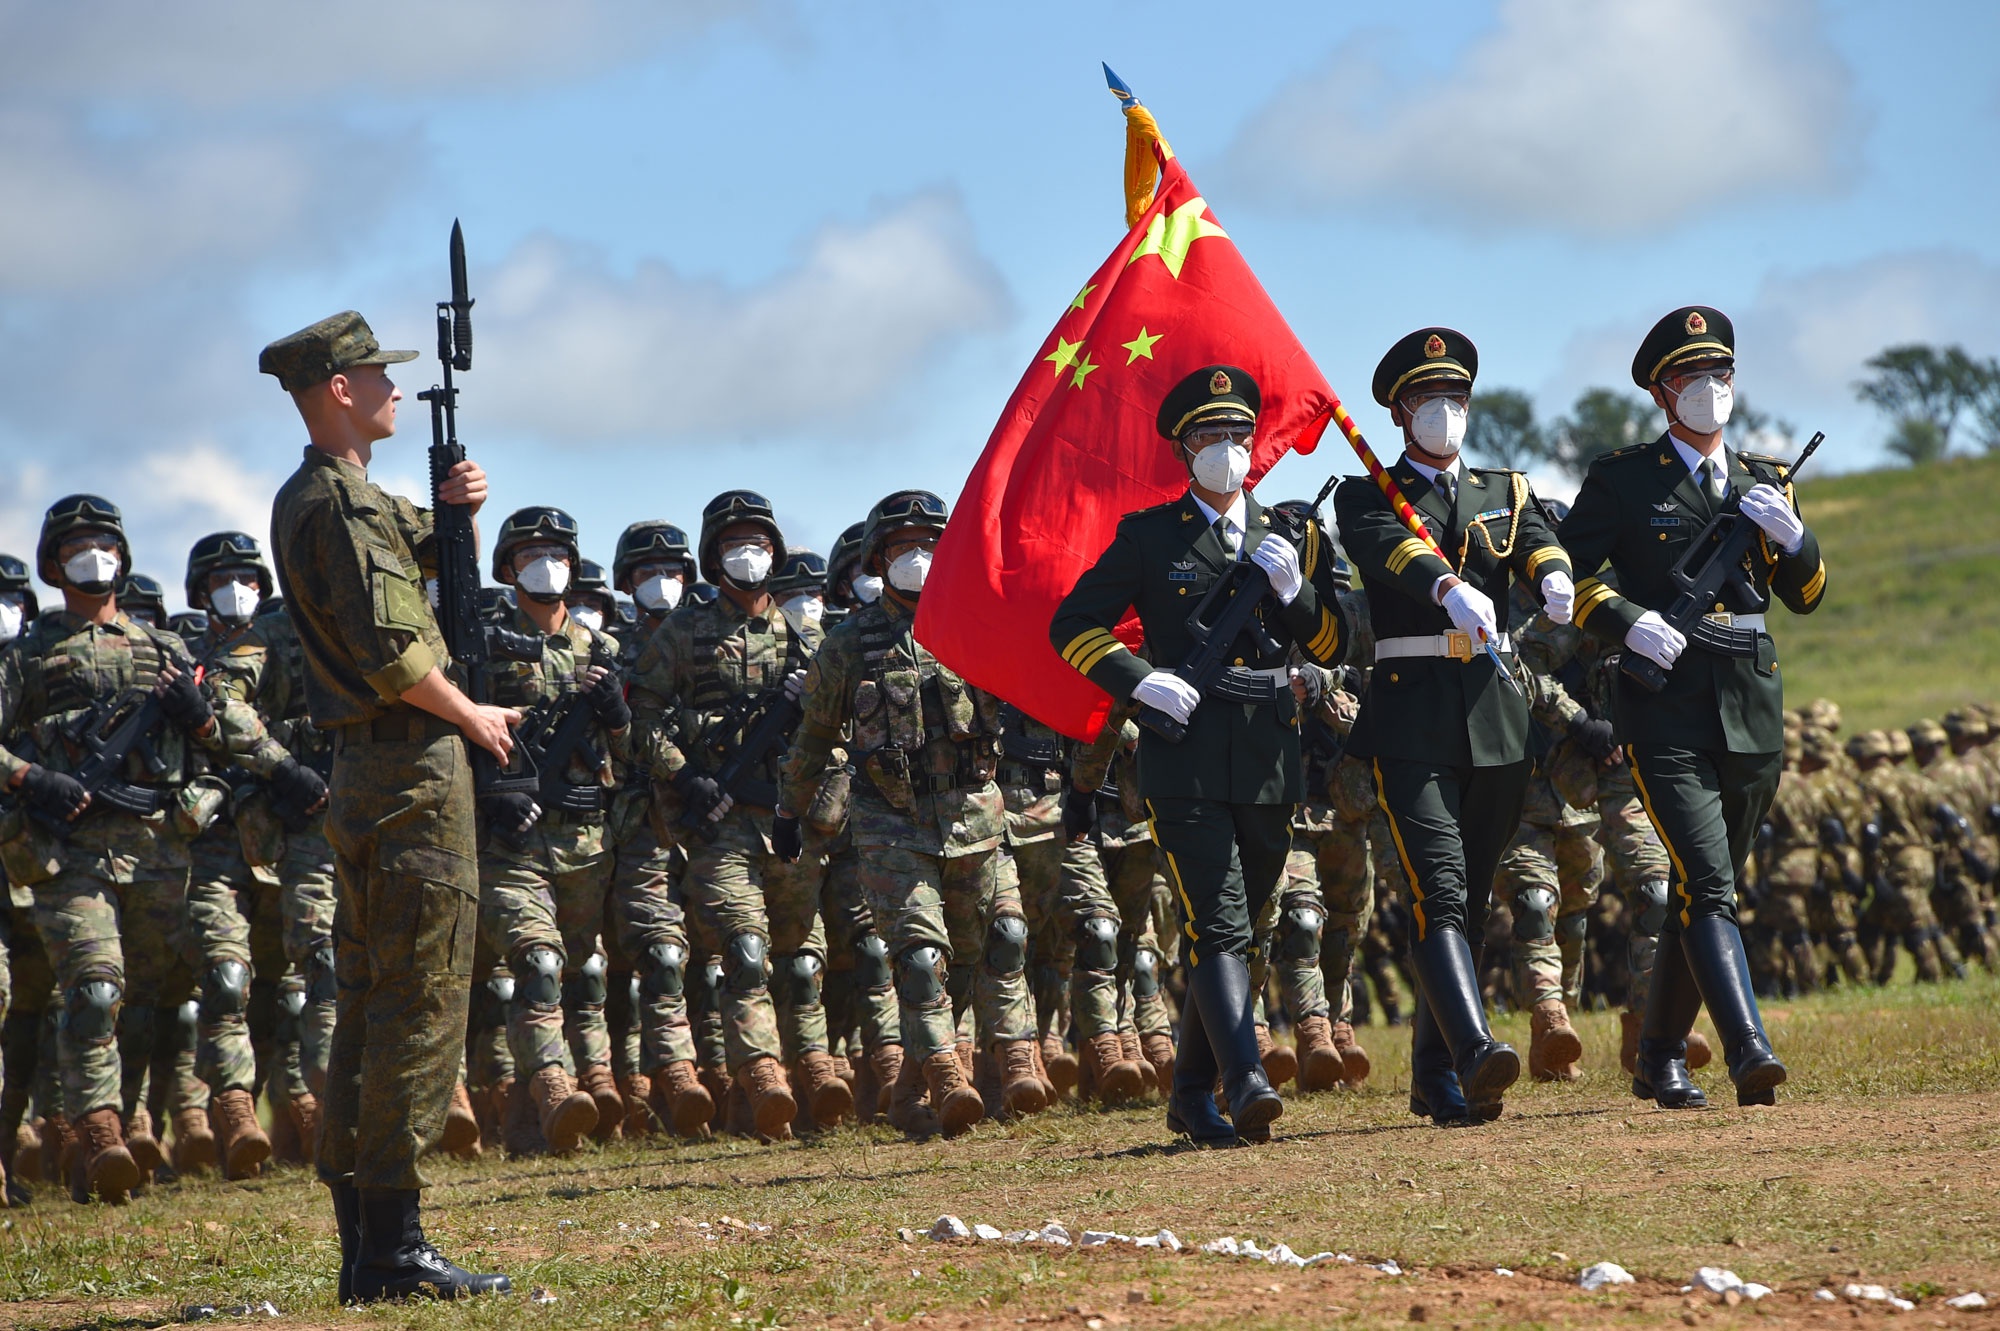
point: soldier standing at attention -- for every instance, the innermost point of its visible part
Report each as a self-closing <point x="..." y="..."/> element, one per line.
<point x="400" y="807"/>
<point x="1221" y="800"/>
<point x="1706" y="750"/>
<point x="1447" y="733"/>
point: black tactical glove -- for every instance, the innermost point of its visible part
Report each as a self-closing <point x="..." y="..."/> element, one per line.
<point x="510" y="815"/>
<point x="53" y="792"/>
<point x="297" y="790"/>
<point x="1593" y="736"/>
<point x="699" y="792"/>
<point x="1079" y="810"/>
<point x="185" y="704"/>
<point x="607" y="700"/>
<point x="787" y="841"/>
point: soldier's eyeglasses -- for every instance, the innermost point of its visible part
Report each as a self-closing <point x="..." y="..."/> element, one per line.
<point x="1682" y="375"/>
<point x="1416" y="397"/>
<point x="1197" y="440"/>
<point x="530" y="553"/>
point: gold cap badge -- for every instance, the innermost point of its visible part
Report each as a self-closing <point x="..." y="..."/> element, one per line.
<point x="1696" y="325"/>
<point x="1434" y="347"/>
<point x="1218" y="384"/>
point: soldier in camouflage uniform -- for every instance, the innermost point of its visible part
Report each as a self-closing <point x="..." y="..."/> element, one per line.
<point x="350" y="559"/>
<point x="23" y="995"/>
<point x="928" y="824"/>
<point x="111" y="884"/>
<point x="1968" y="852"/>
<point x="708" y="674"/>
<point x="1901" y="859"/>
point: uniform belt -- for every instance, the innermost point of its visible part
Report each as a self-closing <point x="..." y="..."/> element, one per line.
<point x="403" y="726"/>
<point x="1737" y="621"/>
<point x="1028" y="775"/>
<point x="1457" y="646"/>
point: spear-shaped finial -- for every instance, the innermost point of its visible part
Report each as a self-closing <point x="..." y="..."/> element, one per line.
<point x="1119" y="89"/>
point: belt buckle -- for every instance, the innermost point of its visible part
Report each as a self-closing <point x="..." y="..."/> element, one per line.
<point x="1458" y="645"/>
<point x="1722" y="617"/>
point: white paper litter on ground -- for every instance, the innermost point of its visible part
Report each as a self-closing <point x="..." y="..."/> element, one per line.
<point x="1599" y="1274"/>
<point x="1879" y="1294"/>
<point x="1967" y="1301"/>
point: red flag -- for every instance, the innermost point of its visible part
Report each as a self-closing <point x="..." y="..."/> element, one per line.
<point x="1076" y="448"/>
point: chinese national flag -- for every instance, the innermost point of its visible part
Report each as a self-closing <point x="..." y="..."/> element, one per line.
<point x="1076" y="448"/>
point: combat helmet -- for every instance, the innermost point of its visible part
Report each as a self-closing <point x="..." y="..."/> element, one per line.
<point x="726" y="510"/>
<point x="72" y="514"/>
<point x="536" y="524"/>
<point x="143" y="598"/>
<point x="842" y="564"/>
<point x="589" y="583"/>
<point x="803" y="572"/>
<point x="651" y="541"/>
<point x="14" y="578"/>
<point x="904" y="508"/>
<point x="224" y="550"/>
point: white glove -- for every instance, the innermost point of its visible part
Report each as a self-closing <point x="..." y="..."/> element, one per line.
<point x="1275" y="555"/>
<point x="1765" y="505"/>
<point x="1656" y="640"/>
<point x="1471" y="611"/>
<point x="1168" y="692"/>
<point x="795" y="685"/>
<point x="1558" y="596"/>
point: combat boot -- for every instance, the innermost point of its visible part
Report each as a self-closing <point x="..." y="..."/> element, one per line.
<point x="986" y="1081"/>
<point x="242" y="1144"/>
<point x="1554" y="1048"/>
<point x="1320" y="1066"/>
<point x="284" y="1133"/>
<point x="494" y="1109"/>
<point x="681" y="1101"/>
<point x="1924" y="952"/>
<point x="1060" y="1062"/>
<point x="952" y="1098"/>
<point x="770" y="1099"/>
<point x="967" y="1061"/>
<point x="27" y="1160"/>
<point x="1281" y="1064"/>
<point x="522" y="1133"/>
<point x="718" y="1083"/>
<point x="908" y="1110"/>
<point x="1158" y="1048"/>
<point x="461" y="1126"/>
<point x="886" y="1062"/>
<point x="303" y="1110"/>
<point x="1049" y="1096"/>
<point x="1660" y="1063"/>
<point x="1020" y="1090"/>
<point x="868" y="1090"/>
<point x="1714" y="950"/>
<point x="827" y="1096"/>
<point x="396" y="1261"/>
<point x="595" y="1080"/>
<point x="140" y="1141"/>
<point x="1115" y="1077"/>
<point x="1354" y="1064"/>
<point x="194" y="1143"/>
<point x="58" y="1148"/>
<point x="346" y="1224"/>
<point x="100" y="1166"/>
<point x="566" y="1114"/>
<point x="636" y="1090"/>
<point x="1135" y="1053"/>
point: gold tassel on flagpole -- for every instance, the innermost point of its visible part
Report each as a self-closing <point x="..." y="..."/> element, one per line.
<point x="1142" y="164"/>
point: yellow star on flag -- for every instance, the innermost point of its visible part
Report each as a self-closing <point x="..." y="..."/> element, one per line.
<point x="1170" y="235"/>
<point x="1083" y="369"/>
<point x="1083" y="295"/>
<point x="1064" y="355"/>
<point x="1141" y="345"/>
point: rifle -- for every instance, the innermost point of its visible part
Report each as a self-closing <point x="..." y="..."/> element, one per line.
<point x="1955" y="829"/>
<point x="110" y="731"/>
<point x="471" y="643"/>
<point x="1227" y="610"/>
<point x="1714" y="561"/>
<point x="778" y="715"/>
<point x="554" y="733"/>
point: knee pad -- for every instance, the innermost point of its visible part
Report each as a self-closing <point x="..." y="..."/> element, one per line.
<point x="1649" y="913"/>
<point x="538" y="977"/>
<point x="588" y="987"/>
<point x="225" y="989"/>
<point x="663" y="971"/>
<point x="1007" y="945"/>
<point x="921" y="976"/>
<point x="292" y="1000"/>
<point x="1299" y="933"/>
<point x="708" y="993"/>
<point x="1534" y="915"/>
<point x="1096" y="942"/>
<point x="184" y="1031"/>
<point x="798" y="979"/>
<point x="746" y="964"/>
<point x="494" y="996"/>
<point x="90" y="1010"/>
<point x="1145" y="973"/>
<point x="871" y="963"/>
<point x="320" y="987"/>
<point x="1572" y="928"/>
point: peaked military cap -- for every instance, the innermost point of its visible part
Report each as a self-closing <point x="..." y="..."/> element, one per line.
<point x="1212" y="393"/>
<point x="1693" y="332"/>
<point x="1428" y="353"/>
<point x="319" y="351"/>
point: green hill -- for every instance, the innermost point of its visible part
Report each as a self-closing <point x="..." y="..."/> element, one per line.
<point x="1911" y="622"/>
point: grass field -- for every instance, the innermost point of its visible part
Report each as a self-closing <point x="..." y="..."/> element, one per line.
<point x="1880" y="1165"/>
<point x="1909" y="626"/>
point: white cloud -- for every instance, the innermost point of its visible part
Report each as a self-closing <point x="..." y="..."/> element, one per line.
<point x="1590" y="117"/>
<point x="582" y="355"/>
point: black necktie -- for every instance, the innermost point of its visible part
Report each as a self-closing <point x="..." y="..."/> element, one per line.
<point x="1223" y="534"/>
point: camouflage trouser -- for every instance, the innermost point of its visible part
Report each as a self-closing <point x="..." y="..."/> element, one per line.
<point x="488" y="1058"/>
<point x="792" y="894"/>
<point x="1099" y="973"/>
<point x="1051" y="931"/>
<point x="32" y="1003"/>
<point x="1144" y="905"/>
<point x="1289" y="932"/>
<point x="1346" y="872"/>
<point x="1906" y="906"/>
<point x="1563" y="866"/>
<point x="1633" y="857"/>
<point x="228" y="902"/>
<point x="651" y="932"/>
<point x="400" y="822"/>
<point x="548" y="898"/>
<point x="950" y="903"/>
<point x="857" y="957"/>
<point x="306" y="994"/>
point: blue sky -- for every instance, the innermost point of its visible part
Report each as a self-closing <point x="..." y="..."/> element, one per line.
<point x="809" y="249"/>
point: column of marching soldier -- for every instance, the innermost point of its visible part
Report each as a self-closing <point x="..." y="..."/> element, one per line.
<point x="922" y="905"/>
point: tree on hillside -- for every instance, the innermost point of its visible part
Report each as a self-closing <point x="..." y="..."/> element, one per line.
<point x="1502" y="432"/>
<point x="1917" y="440"/>
<point x="1923" y="390"/>
<point x="1602" y="419"/>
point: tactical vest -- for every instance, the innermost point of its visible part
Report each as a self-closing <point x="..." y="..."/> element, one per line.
<point x="534" y="684"/>
<point x="64" y="696"/>
<point x="918" y="728"/>
<point x="713" y="716"/>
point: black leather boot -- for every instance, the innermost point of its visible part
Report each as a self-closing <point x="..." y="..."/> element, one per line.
<point x="1191" y="1110"/>
<point x="347" y="1220"/>
<point x="1485" y="1066"/>
<point x="395" y="1261"/>
<point x="1721" y="971"/>
<point x="1221" y="986"/>
<point x="1434" y="1092"/>
<point x="1660" y="1072"/>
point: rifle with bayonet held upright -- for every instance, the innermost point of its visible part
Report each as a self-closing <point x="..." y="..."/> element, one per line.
<point x="471" y="642"/>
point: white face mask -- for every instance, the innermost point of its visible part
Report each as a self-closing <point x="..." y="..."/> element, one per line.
<point x="908" y="570"/>
<point x="1438" y="427"/>
<point x="747" y="565"/>
<point x="91" y="571"/>
<point x="658" y="594"/>
<point x="1704" y="405"/>
<point x="589" y="616"/>
<point x="235" y="602"/>
<point x="12" y="611"/>
<point x="804" y="611"/>
<point x="544" y="577"/>
<point x="1221" y="468"/>
<point x="867" y="588"/>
